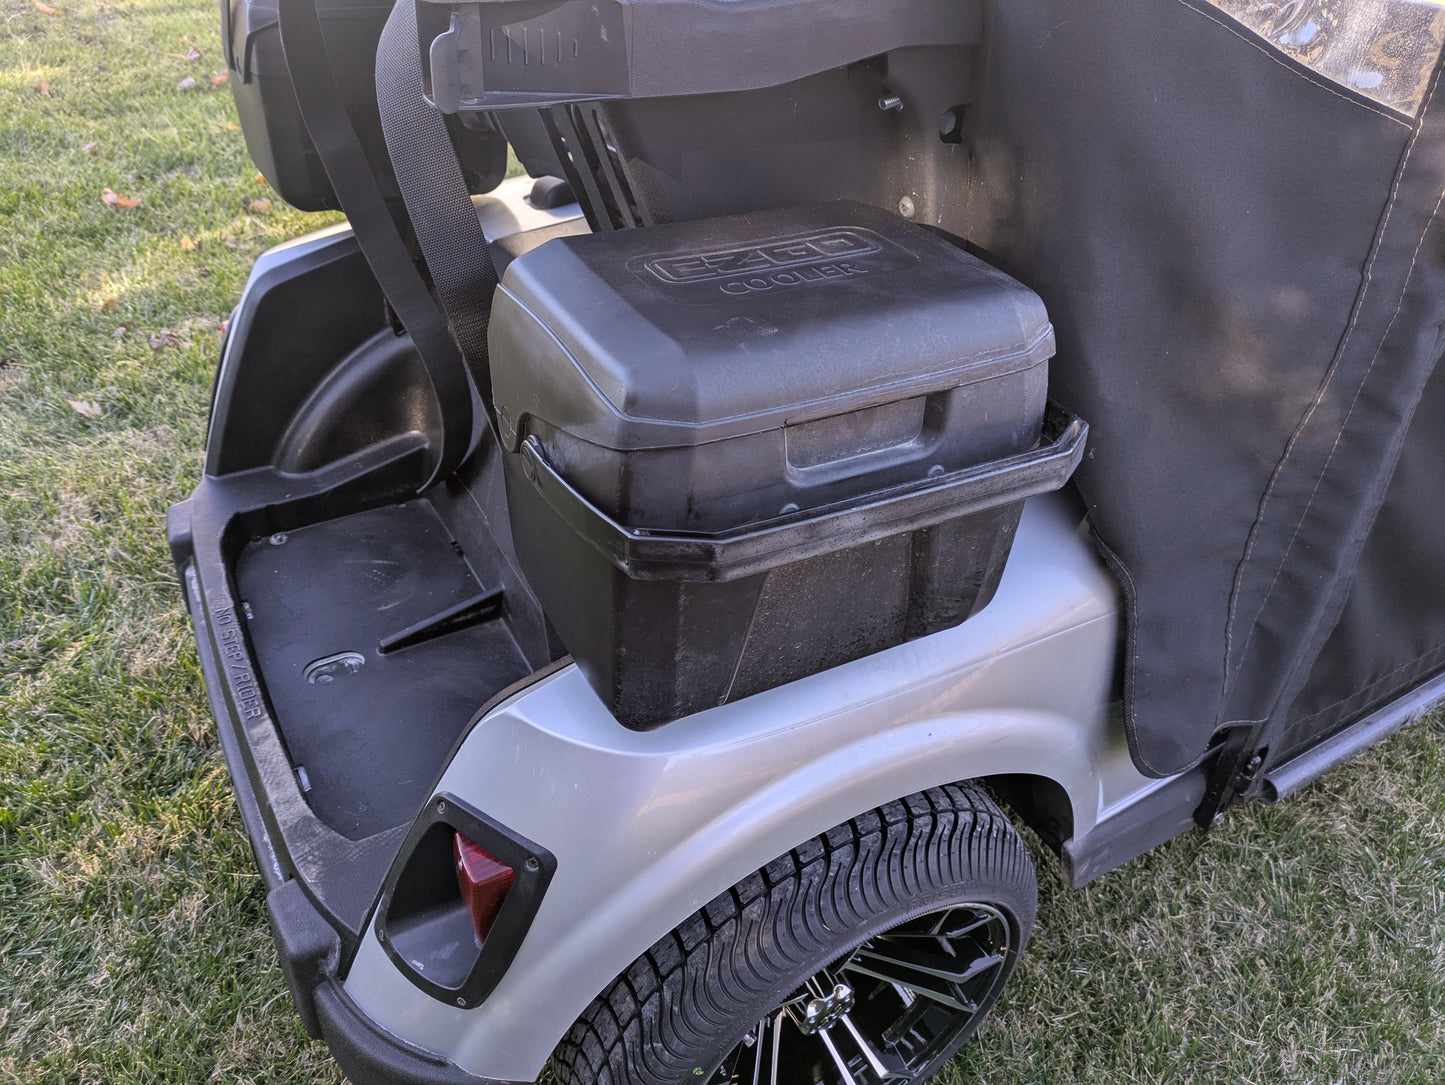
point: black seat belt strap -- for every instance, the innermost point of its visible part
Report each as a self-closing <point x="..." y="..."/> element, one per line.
<point x="381" y="241"/>
<point x="435" y="191"/>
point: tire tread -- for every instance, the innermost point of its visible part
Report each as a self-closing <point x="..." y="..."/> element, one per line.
<point x="675" y="1007"/>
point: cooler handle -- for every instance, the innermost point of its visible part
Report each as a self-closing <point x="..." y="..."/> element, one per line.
<point x="696" y="556"/>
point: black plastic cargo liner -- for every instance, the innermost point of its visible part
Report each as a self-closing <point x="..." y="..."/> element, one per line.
<point x="665" y="624"/>
<point x="369" y="714"/>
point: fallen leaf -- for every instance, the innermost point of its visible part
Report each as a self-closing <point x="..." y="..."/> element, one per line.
<point x="259" y="207"/>
<point x="45" y="9"/>
<point x="219" y="78"/>
<point x="186" y="84"/>
<point x="260" y="179"/>
<point x="89" y="147"/>
<point x="188" y="244"/>
<point x="119" y="332"/>
<point x="108" y="304"/>
<point x="193" y="53"/>
<point x="115" y="199"/>
<point x="159" y="340"/>
<point x="42" y="88"/>
<point x="225" y="327"/>
<point x="232" y="126"/>
<point x="85" y="408"/>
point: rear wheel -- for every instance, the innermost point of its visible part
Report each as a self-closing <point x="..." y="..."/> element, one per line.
<point x="866" y="955"/>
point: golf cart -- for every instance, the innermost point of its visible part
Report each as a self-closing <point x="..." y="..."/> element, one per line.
<point x="638" y="600"/>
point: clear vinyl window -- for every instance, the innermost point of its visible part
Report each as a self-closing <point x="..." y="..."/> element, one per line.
<point x="1382" y="49"/>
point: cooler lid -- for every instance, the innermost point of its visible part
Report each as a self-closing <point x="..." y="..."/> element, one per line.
<point x="698" y="331"/>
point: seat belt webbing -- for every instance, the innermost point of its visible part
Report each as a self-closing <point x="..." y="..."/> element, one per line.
<point x="354" y="182"/>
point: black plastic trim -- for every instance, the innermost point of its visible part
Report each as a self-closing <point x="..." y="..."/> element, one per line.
<point x="309" y="949"/>
<point x="320" y="895"/>
<point x="1289" y="776"/>
<point x="533" y="865"/>
<point x="545" y="671"/>
<point x="498" y="55"/>
<point x="1161" y="815"/>
<point x="646" y="554"/>
<point x="263" y="848"/>
<point x="369" y="1056"/>
<point x="308" y="946"/>
<point x="293" y="323"/>
<point x="288" y="840"/>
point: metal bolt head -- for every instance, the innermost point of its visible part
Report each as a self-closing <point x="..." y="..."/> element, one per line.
<point x="825" y="1011"/>
<point x="532" y="863"/>
<point x="891" y="103"/>
<point x="905" y="207"/>
<point x="278" y="539"/>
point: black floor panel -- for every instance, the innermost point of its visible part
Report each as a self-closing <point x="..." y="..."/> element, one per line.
<point x="369" y="731"/>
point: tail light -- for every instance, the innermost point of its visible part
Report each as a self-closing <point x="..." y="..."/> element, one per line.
<point x="484" y="881"/>
<point x="458" y="900"/>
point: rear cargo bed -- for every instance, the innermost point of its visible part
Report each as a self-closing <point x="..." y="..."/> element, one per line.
<point x="369" y="724"/>
<point x="349" y="634"/>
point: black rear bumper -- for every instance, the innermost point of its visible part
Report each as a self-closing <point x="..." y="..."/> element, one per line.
<point x="320" y="886"/>
<point x="309" y="950"/>
<point x="340" y="876"/>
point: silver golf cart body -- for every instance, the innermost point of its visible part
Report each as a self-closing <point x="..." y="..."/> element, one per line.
<point x="1233" y="218"/>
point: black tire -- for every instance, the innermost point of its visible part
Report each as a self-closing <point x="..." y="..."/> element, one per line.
<point x="804" y="944"/>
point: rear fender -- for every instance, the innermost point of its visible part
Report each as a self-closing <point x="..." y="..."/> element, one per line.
<point x="647" y="827"/>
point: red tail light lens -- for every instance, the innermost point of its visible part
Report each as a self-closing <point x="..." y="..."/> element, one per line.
<point x="484" y="881"/>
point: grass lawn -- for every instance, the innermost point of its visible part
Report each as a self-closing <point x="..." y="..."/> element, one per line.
<point x="1297" y="944"/>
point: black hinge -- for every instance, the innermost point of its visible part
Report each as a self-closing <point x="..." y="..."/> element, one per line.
<point x="1233" y="774"/>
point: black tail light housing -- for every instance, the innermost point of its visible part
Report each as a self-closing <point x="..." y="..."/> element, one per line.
<point x="459" y="899"/>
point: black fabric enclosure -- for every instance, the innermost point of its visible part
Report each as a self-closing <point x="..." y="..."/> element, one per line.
<point x="1244" y="263"/>
<point x="1246" y="269"/>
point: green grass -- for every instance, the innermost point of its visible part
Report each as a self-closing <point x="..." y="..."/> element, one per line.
<point x="1303" y="942"/>
<point x="133" y="945"/>
<point x="1297" y="944"/>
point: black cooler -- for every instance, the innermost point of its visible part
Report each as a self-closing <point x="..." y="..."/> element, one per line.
<point x="744" y="450"/>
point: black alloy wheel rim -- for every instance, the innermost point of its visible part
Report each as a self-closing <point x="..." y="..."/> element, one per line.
<point x="885" y="1012"/>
